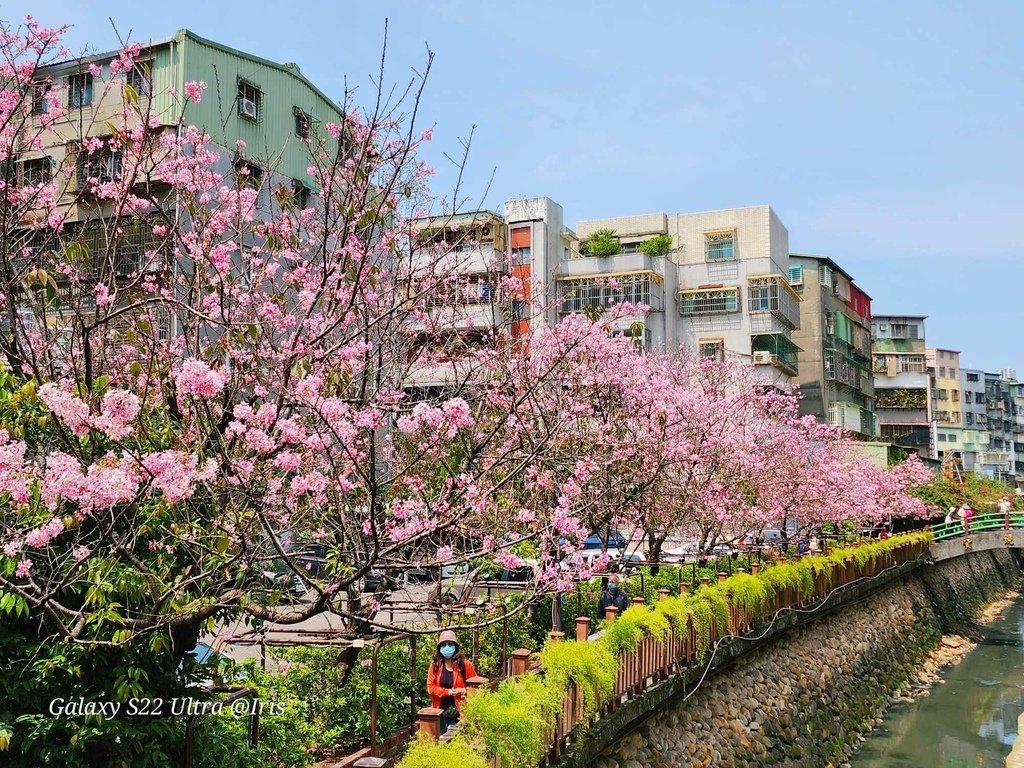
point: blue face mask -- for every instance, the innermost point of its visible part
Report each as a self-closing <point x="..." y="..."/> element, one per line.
<point x="447" y="650"/>
<point x="612" y="586"/>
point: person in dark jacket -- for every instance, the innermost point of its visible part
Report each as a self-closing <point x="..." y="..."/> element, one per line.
<point x="612" y="596"/>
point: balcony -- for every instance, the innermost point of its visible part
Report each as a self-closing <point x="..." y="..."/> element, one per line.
<point x="848" y="350"/>
<point x="852" y="417"/>
<point x="775" y="349"/>
<point x="590" y="266"/>
<point x="461" y="260"/>
<point x="886" y="415"/>
<point x="606" y="290"/>
<point x="771" y="294"/>
<point x="840" y="369"/>
<point x="452" y="373"/>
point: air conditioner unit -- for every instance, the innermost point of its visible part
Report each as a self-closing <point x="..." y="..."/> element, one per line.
<point x="247" y="108"/>
<point x="763" y="358"/>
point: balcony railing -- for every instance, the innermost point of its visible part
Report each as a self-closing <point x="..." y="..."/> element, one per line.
<point x="839" y="368"/>
<point x="773" y="294"/>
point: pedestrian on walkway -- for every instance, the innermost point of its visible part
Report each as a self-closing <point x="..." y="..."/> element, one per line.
<point x="1004" y="506"/>
<point x="612" y="597"/>
<point x="966" y="513"/>
<point x="446" y="679"/>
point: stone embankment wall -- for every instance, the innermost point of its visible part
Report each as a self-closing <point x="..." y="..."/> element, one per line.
<point x="804" y="699"/>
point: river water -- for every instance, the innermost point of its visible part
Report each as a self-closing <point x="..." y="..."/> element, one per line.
<point x="970" y="721"/>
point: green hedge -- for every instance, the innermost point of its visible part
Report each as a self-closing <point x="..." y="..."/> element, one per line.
<point x="512" y="723"/>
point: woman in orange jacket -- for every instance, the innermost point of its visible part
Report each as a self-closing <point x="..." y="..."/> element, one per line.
<point x="446" y="678"/>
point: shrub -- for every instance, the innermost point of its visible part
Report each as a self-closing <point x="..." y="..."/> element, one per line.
<point x="590" y="665"/>
<point x="659" y="245"/>
<point x="603" y="243"/>
<point x="427" y="753"/>
<point x="512" y="722"/>
<point x="746" y="591"/>
<point x="625" y="633"/>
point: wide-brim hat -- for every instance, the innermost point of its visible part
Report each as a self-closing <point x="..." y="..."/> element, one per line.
<point x="447" y="637"/>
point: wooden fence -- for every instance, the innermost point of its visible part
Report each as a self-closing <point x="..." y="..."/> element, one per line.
<point x="653" y="660"/>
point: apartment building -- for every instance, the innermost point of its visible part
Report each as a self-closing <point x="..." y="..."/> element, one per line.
<point x="899" y="365"/>
<point x="975" y="437"/>
<point x="716" y="283"/>
<point x="1004" y="405"/>
<point x="271" y="107"/>
<point x="834" y="338"/>
<point x="952" y="438"/>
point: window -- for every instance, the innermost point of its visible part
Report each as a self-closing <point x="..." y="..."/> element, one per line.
<point x="40" y="104"/>
<point x="36" y="171"/>
<point x="247" y="174"/>
<point x="942" y="437"/>
<point x="720" y="246"/>
<point x="911" y="364"/>
<point x="952" y="373"/>
<point x="956" y="395"/>
<point x="942" y="371"/>
<point x="712" y="349"/>
<point x="250" y="101"/>
<point x="79" y="91"/>
<point x="972" y="377"/>
<point x="709" y="302"/>
<point x="904" y="330"/>
<point x="302" y="123"/>
<point x="101" y="166"/>
<point x="825" y="275"/>
<point x="796" y="275"/>
<point x="638" y="334"/>
<point x="140" y="77"/>
<point x="301" y="194"/>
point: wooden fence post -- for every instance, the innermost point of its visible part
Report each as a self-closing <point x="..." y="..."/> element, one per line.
<point x="428" y="721"/>
<point x="637" y="601"/>
<point x="662" y="594"/>
<point x="582" y="628"/>
<point x="556" y="637"/>
<point x="684" y="587"/>
<point x="520" y="661"/>
<point x="474" y="684"/>
<point x="722" y="576"/>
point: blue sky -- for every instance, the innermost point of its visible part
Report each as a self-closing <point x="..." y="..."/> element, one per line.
<point x="889" y="136"/>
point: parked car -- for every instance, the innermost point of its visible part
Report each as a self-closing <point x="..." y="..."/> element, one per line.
<point x="596" y="540"/>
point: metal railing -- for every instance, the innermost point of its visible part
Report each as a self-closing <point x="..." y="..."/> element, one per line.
<point x="990" y="521"/>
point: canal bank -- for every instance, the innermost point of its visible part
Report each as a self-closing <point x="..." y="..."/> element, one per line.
<point x="805" y="698"/>
<point x="970" y="718"/>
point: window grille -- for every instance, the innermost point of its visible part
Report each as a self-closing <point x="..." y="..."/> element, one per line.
<point x="248" y="174"/>
<point x="79" y="91"/>
<point x="103" y="165"/>
<point x="709" y="301"/>
<point x="605" y="292"/>
<point x="140" y="77"/>
<point x="40" y="104"/>
<point x="911" y="364"/>
<point x="713" y="350"/>
<point x="302" y="123"/>
<point x="719" y="246"/>
<point x="37" y="171"/>
<point x="250" y="101"/>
